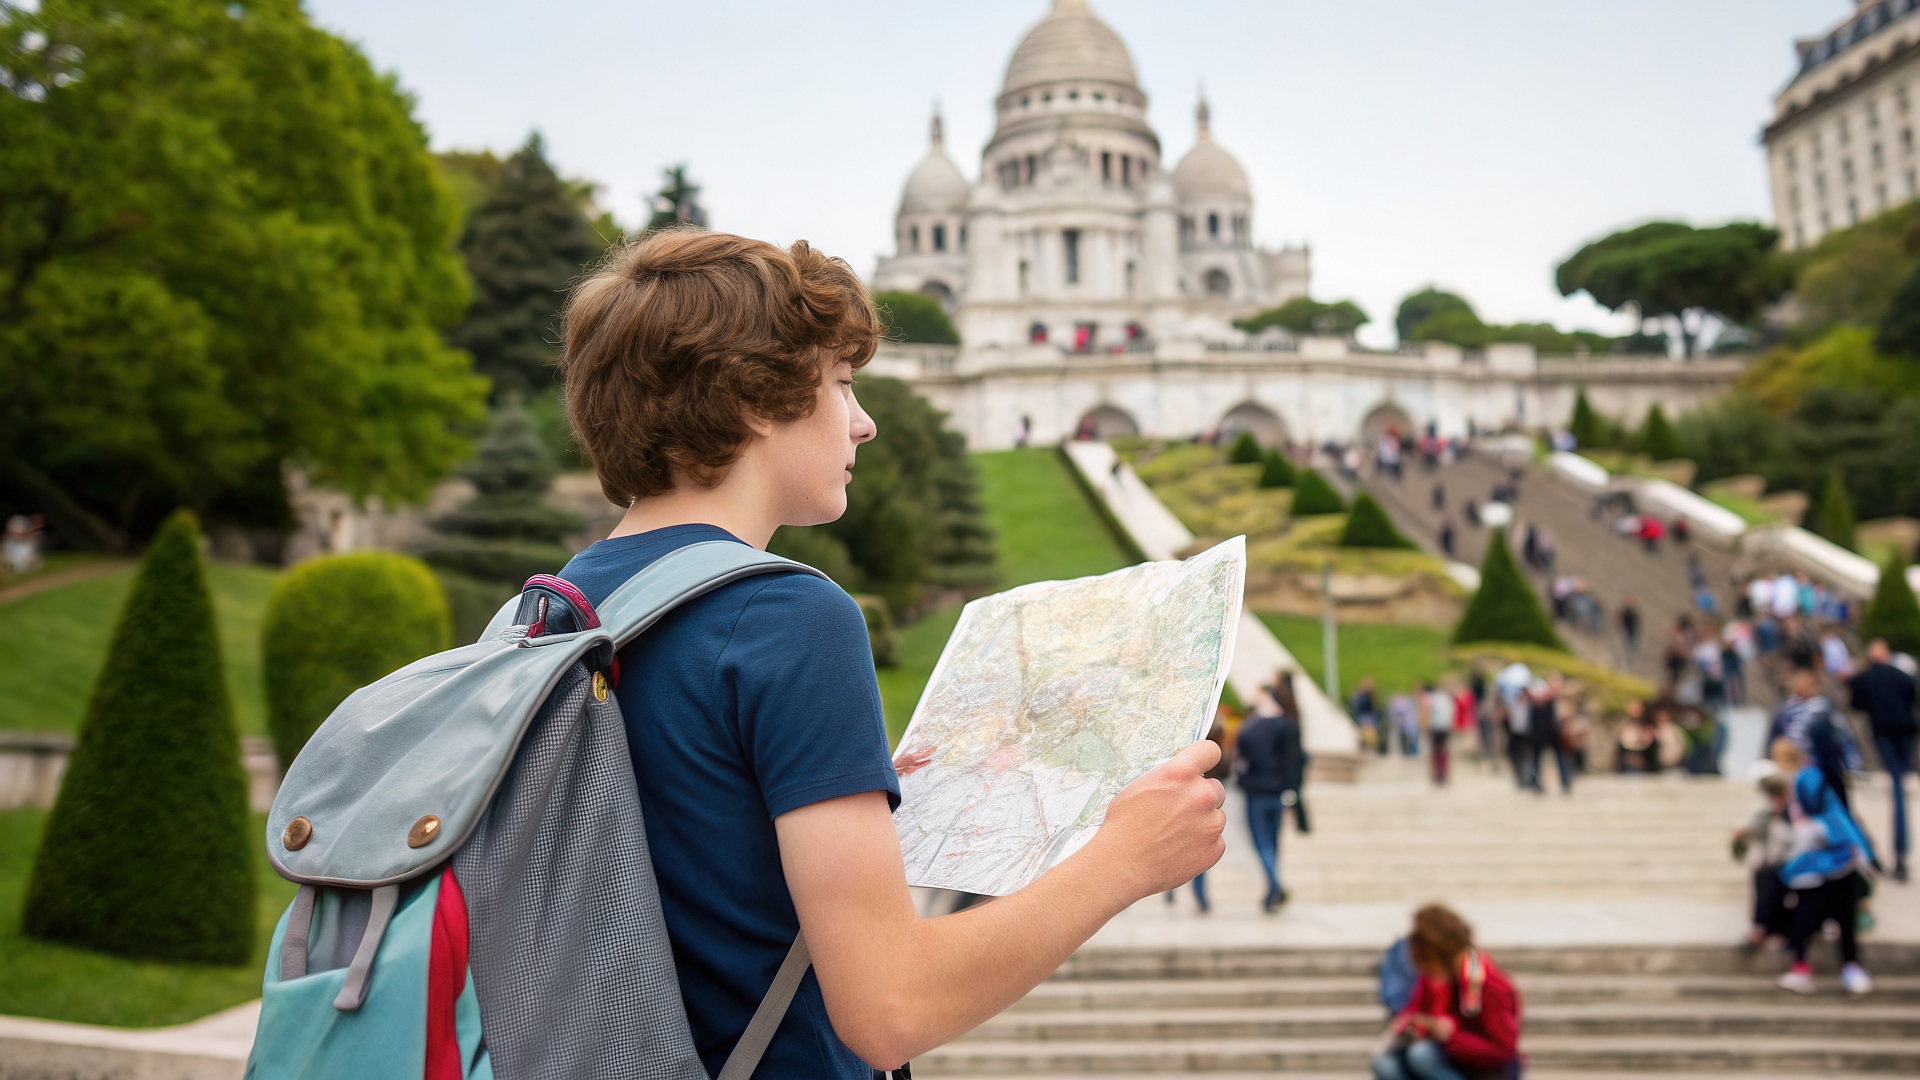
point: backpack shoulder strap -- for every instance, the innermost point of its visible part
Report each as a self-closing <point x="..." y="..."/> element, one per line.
<point x="680" y="576"/>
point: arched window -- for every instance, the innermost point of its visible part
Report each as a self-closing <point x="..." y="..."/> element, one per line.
<point x="939" y="238"/>
<point x="1037" y="333"/>
<point x="963" y="238"/>
<point x="1218" y="283"/>
<point x="914" y="233"/>
<point x="1213" y="226"/>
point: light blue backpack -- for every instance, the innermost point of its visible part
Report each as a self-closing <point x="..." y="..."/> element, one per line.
<point x="476" y="896"/>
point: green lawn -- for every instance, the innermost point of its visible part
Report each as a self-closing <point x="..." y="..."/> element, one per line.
<point x="63" y="983"/>
<point x="59" y="640"/>
<point x="1398" y="657"/>
<point x="1046" y="532"/>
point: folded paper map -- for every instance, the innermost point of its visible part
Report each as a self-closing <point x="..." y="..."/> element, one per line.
<point x="1048" y="700"/>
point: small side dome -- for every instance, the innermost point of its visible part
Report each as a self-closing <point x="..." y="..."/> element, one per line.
<point x="1208" y="171"/>
<point x="936" y="185"/>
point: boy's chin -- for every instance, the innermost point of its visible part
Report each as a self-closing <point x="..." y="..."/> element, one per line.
<point x="825" y="512"/>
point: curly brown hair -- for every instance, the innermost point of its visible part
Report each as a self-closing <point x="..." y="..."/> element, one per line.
<point x="1439" y="936"/>
<point x="678" y="336"/>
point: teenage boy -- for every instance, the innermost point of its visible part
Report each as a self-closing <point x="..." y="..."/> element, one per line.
<point x="710" y="379"/>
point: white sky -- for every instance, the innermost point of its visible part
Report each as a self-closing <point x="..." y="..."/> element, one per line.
<point x="1474" y="145"/>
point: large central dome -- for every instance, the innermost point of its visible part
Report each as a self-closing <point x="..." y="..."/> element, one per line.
<point x="1070" y="44"/>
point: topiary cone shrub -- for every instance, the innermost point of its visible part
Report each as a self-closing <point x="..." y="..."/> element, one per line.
<point x="1504" y="608"/>
<point x="1832" y="514"/>
<point x="1313" y="495"/>
<point x="1245" y="450"/>
<point x="336" y="624"/>
<point x="148" y="852"/>
<point x="1893" y="614"/>
<point x="1369" y="527"/>
<point x="1276" y="471"/>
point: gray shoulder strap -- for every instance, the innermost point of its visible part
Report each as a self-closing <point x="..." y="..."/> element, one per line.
<point x="766" y="1019"/>
<point x="680" y="576"/>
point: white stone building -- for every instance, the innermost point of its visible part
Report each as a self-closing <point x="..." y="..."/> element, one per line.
<point x="1074" y="236"/>
<point x="1840" y="148"/>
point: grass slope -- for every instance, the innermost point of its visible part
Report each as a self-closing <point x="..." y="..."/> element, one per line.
<point x="46" y="681"/>
<point x="1398" y="657"/>
<point x="59" y="982"/>
<point x="1046" y="532"/>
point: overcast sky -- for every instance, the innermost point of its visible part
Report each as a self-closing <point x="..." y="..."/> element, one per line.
<point x="1473" y="145"/>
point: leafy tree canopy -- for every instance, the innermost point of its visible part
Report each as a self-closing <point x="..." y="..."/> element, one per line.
<point x="1301" y="315"/>
<point x="1428" y="303"/>
<point x="223" y="246"/>
<point x="1439" y="316"/>
<point x="524" y="245"/>
<point x="913" y="317"/>
<point x="1899" y="333"/>
<point x="1665" y="269"/>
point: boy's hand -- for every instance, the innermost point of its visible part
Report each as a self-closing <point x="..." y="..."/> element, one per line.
<point x="1165" y="828"/>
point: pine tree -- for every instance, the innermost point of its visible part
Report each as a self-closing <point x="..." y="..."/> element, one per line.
<point x="1658" y="438"/>
<point x="1276" y="471"/>
<point x="678" y="202"/>
<point x="1313" y="495"/>
<point x="524" y="246"/>
<point x="1245" y="449"/>
<point x="318" y="645"/>
<point x="1504" y="608"/>
<point x="1832" y="514"/>
<point x="1589" y="429"/>
<point x="508" y="532"/>
<point x="148" y="851"/>
<point x="1893" y="614"/>
<point x="1369" y="527"/>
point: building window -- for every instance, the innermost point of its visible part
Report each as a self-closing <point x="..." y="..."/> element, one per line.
<point x="1083" y="337"/>
<point x="1873" y="114"/>
<point x="1071" y="240"/>
<point x="1037" y="333"/>
<point x="1845" y="134"/>
<point x="939" y="238"/>
<point x="1186" y="229"/>
<point x="1143" y="168"/>
<point x="1025" y="101"/>
<point x="1213" y="226"/>
<point x="1098" y="96"/>
<point x="1846" y="170"/>
<point x="1789" y="159"/>
<point x="963" y="238"/>
<point x="1900" y="100"/>
<point x="1880" y="196"/>
<point x="1023" y="277"/>
<point x="1793" y="198"/>
<point x="1126" y="169"/>
<point x="1106" y="167"/>
<point x="1912" y="186"/>
<point x="1030" y="165"/>
<point x="1799" y="234"/>
<point x="1134" y="332"/>
<point x="1878" y="158"/>
<point x="1853" y="211"/>
<point x="1906" y="139"/>
<point x="914" y="234"/>
<point x="1073" y="95"/>
<point x="1130" y="273"/>
<point x="1239" y="229"/>
<point x="1218" y="283"/>
<point x="1819" y="150"/>
<point x="1826" y="221"/>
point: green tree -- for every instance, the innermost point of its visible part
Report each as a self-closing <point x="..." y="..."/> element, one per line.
<point x="1276" y="471"/>
<point x="1245" y="449"/>
<point x="1504" y="608"/>
<point x="223" y="247"/>
<point x="1668" y="270"/>
<point x="1590" y="430"/>
<point x="507" y="532"/>
<point x="1899" y="333"/>
<point x="1369" y="527"/>
<point x="1657" y="438"/>
<point x="1302" y="316"/>
<point x="1427" y="304"/>
<point x="318" y="644"/>
<point x="1832" y="513"/>
<point x="1893" y="614"/>
<point x="912" y="317"/>
<point x="1313" y="495"/>
<point x="148" y="852"/>
<point x="678" y="202"/>
<point x="524" y="245"/>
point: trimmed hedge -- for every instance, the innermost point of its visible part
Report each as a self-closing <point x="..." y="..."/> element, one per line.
<point x="148" y="851"/>
<point x="1313" y="495"/>
<point x="1893" y="614"/>
<point x="336" y="624"/>
<point x="1245" y="450"/>
<point x="1504" y="608"/>
<point x="1369" y="527"/>
<point x="1276" y="471"/>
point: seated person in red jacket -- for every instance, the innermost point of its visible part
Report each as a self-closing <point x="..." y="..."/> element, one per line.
<point x="1463" y="1022"/>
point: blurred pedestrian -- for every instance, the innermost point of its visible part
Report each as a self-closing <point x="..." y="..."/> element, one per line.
<point x="21" y="548"/>
<point x="1446" y="537"/>
<point x="1404" y="714"/>
<point x="1765" y="844"/>
<point x="1365" y="711"/>
<point x="1438" y="706"/>
<point x="1824" y="873"/>
<point x="1463" y="1019"/>
<point x="1439" y="496"/>
<point x="1269" y="765"/>
<point x="1886" y="695"/>
<point x="1807" y="719"/>
<point x="1630" y="629"/>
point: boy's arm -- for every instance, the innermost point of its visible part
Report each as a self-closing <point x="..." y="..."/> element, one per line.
<point x="897" y="985"/>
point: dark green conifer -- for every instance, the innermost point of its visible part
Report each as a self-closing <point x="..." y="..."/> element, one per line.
<point x="333" y="625"/>
<point x="1505" y="608"/>
<point x="1369" y="527"/>
<point x="1893" y="614"/>
<point x="1276" y="471"/>
<point x="1832" y="513"/>
<point x="1589" y="429"/>
<point x="1245" y="449"/>
<point x="1313" y="495"/>
<point x="508" y="532"/>
<point x="148" y="852"/>
<point x="1658" y="438"/>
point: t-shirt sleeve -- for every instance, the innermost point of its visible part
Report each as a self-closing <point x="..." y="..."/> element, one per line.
<point x="800" y="673"/>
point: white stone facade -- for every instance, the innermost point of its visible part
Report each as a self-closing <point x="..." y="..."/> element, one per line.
<point x="1840" y="148"/>
<point x="1074" y="236"/>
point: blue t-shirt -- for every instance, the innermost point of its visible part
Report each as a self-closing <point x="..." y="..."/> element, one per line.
<point x="753" y="700"/>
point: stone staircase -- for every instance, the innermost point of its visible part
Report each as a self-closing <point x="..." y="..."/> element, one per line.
<point x="1590" y="1012"/>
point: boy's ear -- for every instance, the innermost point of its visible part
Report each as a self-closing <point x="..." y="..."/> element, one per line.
<point x="756" y="423"/>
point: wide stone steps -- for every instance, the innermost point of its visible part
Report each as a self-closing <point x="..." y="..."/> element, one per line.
<point x="1536" y="990"/>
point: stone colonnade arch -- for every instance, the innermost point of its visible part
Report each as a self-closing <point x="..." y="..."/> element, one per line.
<point x="1387" y="417"/>
<point x="1107" y="422"/>
<point x="1265" y="425"/>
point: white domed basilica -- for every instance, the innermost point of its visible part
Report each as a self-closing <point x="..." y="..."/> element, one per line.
<point x="1075" y="236"/>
